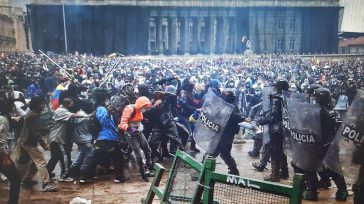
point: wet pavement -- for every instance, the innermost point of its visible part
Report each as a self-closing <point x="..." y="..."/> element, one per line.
<point x="104" y="190"/>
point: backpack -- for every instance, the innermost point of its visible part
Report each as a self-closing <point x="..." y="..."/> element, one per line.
<point x="94" y="125"/>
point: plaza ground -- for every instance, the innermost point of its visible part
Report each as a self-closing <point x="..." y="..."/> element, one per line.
<point x="104" y="190"/>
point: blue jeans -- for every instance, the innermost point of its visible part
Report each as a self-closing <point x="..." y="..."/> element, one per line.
<point x="104" y="151"/>
<point x="83" y="155"/>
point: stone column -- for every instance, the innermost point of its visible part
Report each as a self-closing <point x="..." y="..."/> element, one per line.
<point x="194" y="45"/>
<point x="169" y="21"/>
<point x="165" y="36"/>
<point x="212" y="34"/>
<point x="178" y="35"/>
<point x="149" y="37"/>
<point x="181" y="47"/>
<point x="233" y="38"/>
<point x="186" y="42"/>
<point x="199" y="31"/>
<point x="172" y="27"/>
<point x="206" y="48"/>
<point x="225" y="34"/>
<point x="159" y="44"/>
<point x="219" y="35"/>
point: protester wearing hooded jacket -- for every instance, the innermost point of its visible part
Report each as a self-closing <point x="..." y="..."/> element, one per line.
<point x="130" y="123"/>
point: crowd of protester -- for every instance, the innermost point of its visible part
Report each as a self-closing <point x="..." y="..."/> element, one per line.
<point x="145" y="106"/>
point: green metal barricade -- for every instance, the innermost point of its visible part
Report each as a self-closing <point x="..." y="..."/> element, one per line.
<point x="183" y="183"/>
<point x="225" y="188"/>
<point x="190" y="181"/>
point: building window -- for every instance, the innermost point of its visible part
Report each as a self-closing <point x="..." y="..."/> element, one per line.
<point x="280" y="44"/>
<point x="281" y="23"/>
<point x="291" y="44"/>
<point x="292" y="24"/>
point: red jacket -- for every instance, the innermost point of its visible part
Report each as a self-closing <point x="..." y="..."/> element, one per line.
<point x="141" y="102"/>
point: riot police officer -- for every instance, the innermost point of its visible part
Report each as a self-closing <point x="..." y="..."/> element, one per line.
<point x="328" y="131"/>
<point x="232" y="128"/>
<point x="274" y="119"/>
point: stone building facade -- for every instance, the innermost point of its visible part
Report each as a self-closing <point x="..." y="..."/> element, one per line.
<point x="195" y="30"/>
<point x="12" y="32"/>
<point x="7" y="31"/>
<point x="173" y="27"/>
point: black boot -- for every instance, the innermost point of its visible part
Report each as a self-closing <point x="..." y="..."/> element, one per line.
<point x="234" y="172"/>
<point x="324" y="184"/>
<point x="258" y="166"/>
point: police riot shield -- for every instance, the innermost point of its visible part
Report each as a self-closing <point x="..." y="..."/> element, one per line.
<point x="214" y="115"/>
<point x="287" y="140"/>
<point x="295" y="97"/>
<point x="346" y="152"/>
<point x="266" y="91"/>
<point x="305" y="134"/>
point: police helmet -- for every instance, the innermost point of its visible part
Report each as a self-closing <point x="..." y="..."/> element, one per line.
<point x="323" y="96"/>
<point x="228" y="95"/>
<point x="118" y="102"/>
<point x="281" y="84"/>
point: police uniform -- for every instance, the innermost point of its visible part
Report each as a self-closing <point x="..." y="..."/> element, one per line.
<point x="274" y="119"/>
